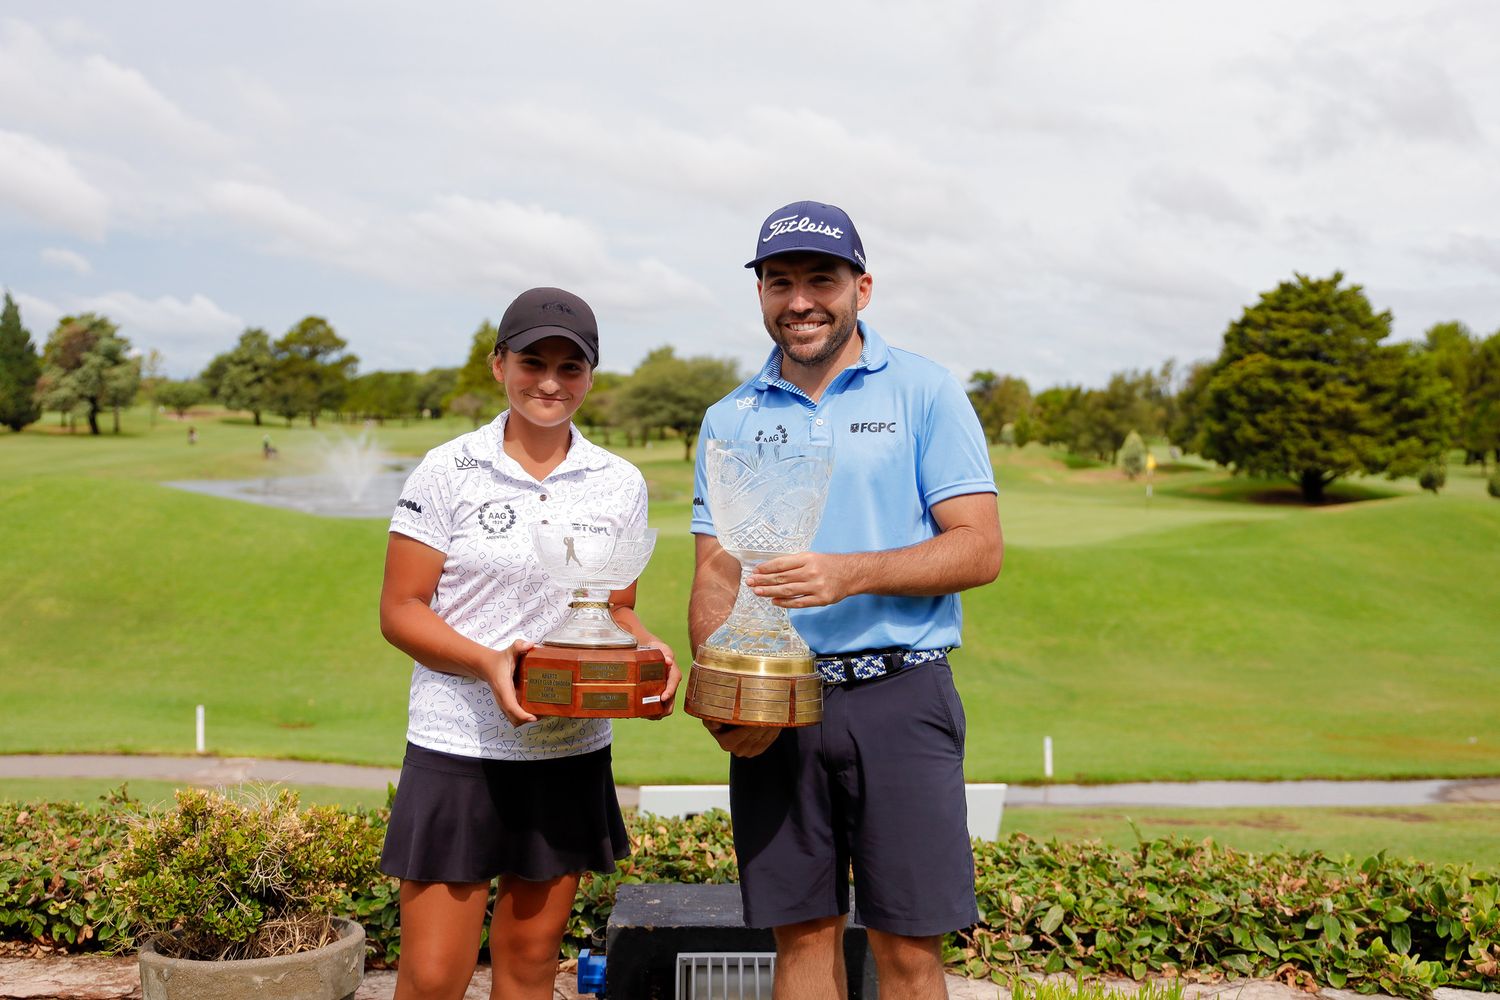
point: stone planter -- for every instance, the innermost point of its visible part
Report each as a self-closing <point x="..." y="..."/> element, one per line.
<point x="332" y="972"/>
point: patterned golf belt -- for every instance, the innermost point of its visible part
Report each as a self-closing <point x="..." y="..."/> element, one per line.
<point x="875" y="663"/>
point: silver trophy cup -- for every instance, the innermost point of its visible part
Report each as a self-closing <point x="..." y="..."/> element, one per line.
<point x="767" y="500"/>
<point x="589" y="667"/>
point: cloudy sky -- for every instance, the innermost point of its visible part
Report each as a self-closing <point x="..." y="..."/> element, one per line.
<point x="1057" y="190"/>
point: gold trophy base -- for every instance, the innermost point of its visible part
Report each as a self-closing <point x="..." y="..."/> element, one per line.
<point x="593" y="683"/>
<point x="754" y="691"/>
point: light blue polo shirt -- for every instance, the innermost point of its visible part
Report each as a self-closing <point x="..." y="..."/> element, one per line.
<point x="904" y="437"/>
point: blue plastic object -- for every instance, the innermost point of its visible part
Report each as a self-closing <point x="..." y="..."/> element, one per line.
<point x="590" y="973"/>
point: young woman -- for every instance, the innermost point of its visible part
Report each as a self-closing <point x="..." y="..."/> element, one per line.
<point x="488" y="789"/>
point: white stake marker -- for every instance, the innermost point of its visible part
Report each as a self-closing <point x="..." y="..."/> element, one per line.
<point x="200" y="730"/>
<point x="1047" y="756"/>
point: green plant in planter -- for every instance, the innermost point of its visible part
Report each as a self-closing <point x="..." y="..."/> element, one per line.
<point x="218" y="878"/>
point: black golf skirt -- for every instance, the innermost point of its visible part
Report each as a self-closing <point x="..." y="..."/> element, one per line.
<point x="470" y="819"/>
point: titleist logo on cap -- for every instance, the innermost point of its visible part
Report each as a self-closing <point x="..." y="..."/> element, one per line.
<point x="804" y="224"/>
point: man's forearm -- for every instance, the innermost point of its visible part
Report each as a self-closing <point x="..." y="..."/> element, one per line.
<point x="965" y="553"/>
<point x="708" y="607"/>
<point x="958" y="559"/>
<point x="716" y="581"/>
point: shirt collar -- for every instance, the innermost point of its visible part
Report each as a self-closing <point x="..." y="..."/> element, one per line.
<point x="583" y="454"/>
<point x="873" y="356"/>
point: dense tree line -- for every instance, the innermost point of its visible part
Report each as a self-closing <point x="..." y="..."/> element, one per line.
<point x="1303" y="387"/>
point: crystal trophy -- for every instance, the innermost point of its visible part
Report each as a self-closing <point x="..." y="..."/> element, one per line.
<point x="767" y="500"/>
<point x="588" y="666"/>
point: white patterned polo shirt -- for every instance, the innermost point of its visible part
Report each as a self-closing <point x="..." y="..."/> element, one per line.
<point x="474" y="503"/>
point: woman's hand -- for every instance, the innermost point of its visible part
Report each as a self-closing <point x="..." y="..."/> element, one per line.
<point x="501" y="677"/>
<point x="674" y="676"/>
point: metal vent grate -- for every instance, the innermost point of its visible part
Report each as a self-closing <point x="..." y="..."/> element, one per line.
<point x="720" y="976"/>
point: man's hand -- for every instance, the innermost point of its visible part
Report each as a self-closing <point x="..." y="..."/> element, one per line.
<point x="804" y="579"/>
<point x="742" y="741"/>
<point x="502" y="681"/>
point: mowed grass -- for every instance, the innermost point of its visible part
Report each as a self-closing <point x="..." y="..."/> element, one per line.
<point x="91" y="792"/>
<point x="1194" y="635"/>
<point x="1441" y="834"/>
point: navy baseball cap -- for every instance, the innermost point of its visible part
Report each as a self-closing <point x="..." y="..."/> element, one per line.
<point x="539" y="313"/>
<point x="810" y="227"/>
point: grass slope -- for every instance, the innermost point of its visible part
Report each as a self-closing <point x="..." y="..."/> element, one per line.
<point x="1192" y="635"/>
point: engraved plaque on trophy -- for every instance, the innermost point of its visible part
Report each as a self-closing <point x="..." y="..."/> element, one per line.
<point x="767" y="500"/>
<point x="589" y="667"/>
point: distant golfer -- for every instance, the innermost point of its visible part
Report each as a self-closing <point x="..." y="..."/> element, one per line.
<point x="910" y="522"/>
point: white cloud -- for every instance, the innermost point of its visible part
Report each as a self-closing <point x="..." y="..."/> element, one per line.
<point x="1469" y="249"/>
<point x="294" y="228"/>
<point x="66" y="88"/>
<point x="187" y="331"/>
<point x="66" y="260"/>
<point x="1193" y="194"/>
<point x="40" y="181"/>
<point x="1060" y="189"/>
<point x="459" y="242"/>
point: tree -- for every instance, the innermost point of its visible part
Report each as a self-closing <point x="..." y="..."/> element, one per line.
<point x="1133" y="454"/>
<point x="1059" y="415"/>
<point x="1130" y="400"/>
<point x="19" y="370"/>
<point x="383" y="396"/>
<point x="1303" y="388"/>
<point x="998" y="400"/>
<point x="312" y="370"/>
<point x="1186" y="427"/>
<point x="597" y="411"/>
<point x="87" y="366"/>
<point x="433" y="388"/>
<point x="179" y="397"/>
<point x="476" y="393"/>
<point x="1472" y="367"/>
<point x="243" y="378"/>
<point x="666" y="391"/>
<point x="1481" y="419"/>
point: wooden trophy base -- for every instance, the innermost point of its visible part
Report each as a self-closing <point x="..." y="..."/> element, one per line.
<point x="593" y="683"/>
<point x="753" y="699"/>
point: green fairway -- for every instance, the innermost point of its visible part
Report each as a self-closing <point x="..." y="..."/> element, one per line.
<point x="1441" y="834"/>
<point x="90" y="791"/>
<point x="1198" y="634"/>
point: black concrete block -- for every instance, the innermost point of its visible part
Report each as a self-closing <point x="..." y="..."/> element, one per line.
<point x="652" y="923"/>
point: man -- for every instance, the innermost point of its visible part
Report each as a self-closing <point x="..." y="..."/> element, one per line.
<point x="911" y="521"/>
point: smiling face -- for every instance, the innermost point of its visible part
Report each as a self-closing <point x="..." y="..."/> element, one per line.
<point x="811" y="303"/>
<point x="545" y="381"/>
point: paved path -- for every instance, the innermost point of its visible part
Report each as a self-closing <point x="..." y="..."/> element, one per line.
<point x="235" y="770"/>
<point x="95" y="978"/>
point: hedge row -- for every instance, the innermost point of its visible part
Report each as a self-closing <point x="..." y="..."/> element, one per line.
<point x="1167" y="906"/>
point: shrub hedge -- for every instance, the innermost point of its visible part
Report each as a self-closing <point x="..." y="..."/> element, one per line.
<point x="231" y="877"/>
<point x="1167" y="906"/>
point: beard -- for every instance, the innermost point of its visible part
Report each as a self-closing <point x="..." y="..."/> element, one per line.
<point x="811" y="355"/>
